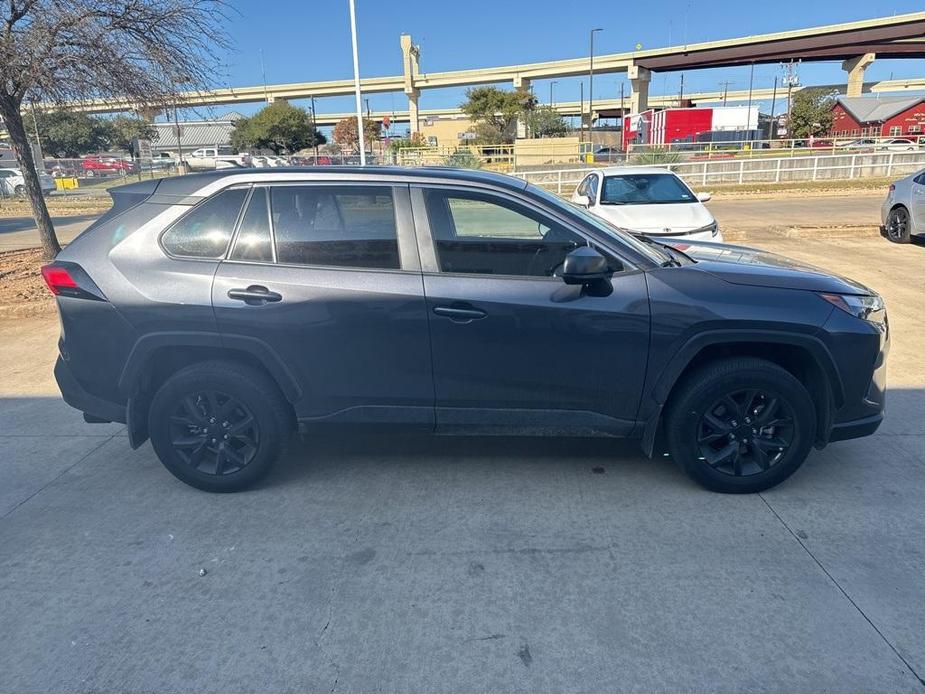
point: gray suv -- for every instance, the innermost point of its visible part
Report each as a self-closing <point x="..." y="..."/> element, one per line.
<point x="215" y="313"/>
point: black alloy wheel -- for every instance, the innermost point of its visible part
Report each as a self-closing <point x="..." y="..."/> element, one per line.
<point x="745" y="432"/>
<point x="214" y="433"/>
<point x="897" y="225"/>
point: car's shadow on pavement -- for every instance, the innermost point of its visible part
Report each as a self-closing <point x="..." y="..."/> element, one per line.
<point x="327" y="452"/>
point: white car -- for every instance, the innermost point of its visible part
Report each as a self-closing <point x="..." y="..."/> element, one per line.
<point x="903" y="211"/>
<point x="650" y="201"/>
<point x="899" y="144"/>
<point x="12" y="182"/>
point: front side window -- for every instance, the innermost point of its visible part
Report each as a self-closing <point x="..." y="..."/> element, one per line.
<point x="337" y="226"/>
<point x="481" y="234"/>
<point x="205" y="231"/>
<point x="645" y="189"/>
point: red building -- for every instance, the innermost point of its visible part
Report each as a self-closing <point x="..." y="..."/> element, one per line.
<point x="872" y="116"/>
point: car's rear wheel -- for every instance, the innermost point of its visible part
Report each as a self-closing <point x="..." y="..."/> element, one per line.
<point x="898" y="225"/>
<point x="740" y="425"/>
<point x="20" y="191"/>
<point x="219" y="425"/>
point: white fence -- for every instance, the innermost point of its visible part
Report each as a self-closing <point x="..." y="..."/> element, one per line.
<point x="759" y="170"/>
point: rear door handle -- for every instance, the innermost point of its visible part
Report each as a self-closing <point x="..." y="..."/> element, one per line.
<point x="255" y="295"/>
<point x="460" y="314"/>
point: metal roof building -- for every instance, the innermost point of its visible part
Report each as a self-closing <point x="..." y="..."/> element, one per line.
<point x="195" y="134"/>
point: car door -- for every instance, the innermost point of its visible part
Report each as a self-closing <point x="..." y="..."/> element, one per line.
<point x="513" y="346"/>
<point x="918" y="203"/>
<point x="326" y="278"/>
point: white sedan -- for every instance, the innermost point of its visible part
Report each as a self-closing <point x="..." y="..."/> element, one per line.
<point x="903" y="211"/>
<point x="12" y="182"/>
<point x="650" y="201"/>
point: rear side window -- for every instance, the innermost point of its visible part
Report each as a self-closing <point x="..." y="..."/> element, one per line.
<point x="206" y="230"/>
<point x="337" y="226"/>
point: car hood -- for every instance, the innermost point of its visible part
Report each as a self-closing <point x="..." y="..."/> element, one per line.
<point x="754" y="267"/>
<point x="655" y="220"/>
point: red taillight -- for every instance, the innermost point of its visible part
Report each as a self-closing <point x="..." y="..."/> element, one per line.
<point x="58" y="278"/>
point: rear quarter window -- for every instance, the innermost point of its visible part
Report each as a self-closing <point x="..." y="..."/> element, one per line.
<point x="206" y="230"/>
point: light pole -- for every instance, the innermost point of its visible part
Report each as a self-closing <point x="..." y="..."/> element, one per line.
<point x="591" y="85"/>
<point x="314" y="131"/>
<point x="551" y="85"/>
<point x="356" y="84"/>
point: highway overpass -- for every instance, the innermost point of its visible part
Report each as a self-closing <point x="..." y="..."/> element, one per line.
<point x="857" y="44"/>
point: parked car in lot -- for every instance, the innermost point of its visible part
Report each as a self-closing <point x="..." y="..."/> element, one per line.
<point x="102" y="166"/>
<point x="607" y="155"/>
<point x="13" y="183"/>
<point x="218" y="157"/>
<point x="898" y="144"/>
<point x="903" y="211"/>
<point x="650" y="201"/>
<point x="241" y="305"/>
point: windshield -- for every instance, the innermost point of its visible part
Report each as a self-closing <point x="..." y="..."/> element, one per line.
<point x="654" y="253"/>
<point x="645" y="189"/>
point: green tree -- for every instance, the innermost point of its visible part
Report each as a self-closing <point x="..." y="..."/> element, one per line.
<point x="71" y="133"/>
<point x="122" y="131"/>
<point x="545" y="121"/>
<point x="811" y="113"/>
<point x="280" y="126"/>
<point x="495" y="112"/>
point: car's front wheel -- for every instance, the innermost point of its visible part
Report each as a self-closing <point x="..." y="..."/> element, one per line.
<point x="898" y="225"/>
<point x="219" y="425"/>
<point x="20" y="191"/>
<point x="740" y="425"/>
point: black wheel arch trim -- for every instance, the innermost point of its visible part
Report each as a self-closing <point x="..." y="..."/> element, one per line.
<point x="146" y="345"/>
<point x="684" y="355"/>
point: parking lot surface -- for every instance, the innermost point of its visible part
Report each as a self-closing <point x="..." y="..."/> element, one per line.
<point x="450" y="565"/>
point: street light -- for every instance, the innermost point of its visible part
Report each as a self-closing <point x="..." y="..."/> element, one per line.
<point x="591" y="84"/>
<point x="551" y="85"/>
<point x="356" y="84"/>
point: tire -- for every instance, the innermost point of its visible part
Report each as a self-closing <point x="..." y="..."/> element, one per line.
<point x="747" y="444"/>
<point x="20" y="191"/>
<point x="898" y="225"/>
<point x="227" y="452"/>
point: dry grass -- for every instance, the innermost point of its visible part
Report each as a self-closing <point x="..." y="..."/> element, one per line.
<point x="22" y="290"/>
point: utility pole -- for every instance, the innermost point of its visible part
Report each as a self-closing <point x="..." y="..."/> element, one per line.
<point x="792" y="80"/>
<point x="725" y="86"/>
<point x="681" y="92"/>
<point x="263" y="72"/>
<point x="581" y="109"/>
<point x="314" y="130"/>
<point x="591" y="87"/>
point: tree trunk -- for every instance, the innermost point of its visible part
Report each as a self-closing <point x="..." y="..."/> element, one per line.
<point x="10" y="111"/>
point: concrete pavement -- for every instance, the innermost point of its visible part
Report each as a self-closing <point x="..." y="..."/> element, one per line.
<point x="446" y="565"/>
<point x="20" y="232"/>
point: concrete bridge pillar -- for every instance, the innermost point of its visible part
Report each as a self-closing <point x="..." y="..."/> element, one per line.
<point x="410" y="60"/>
<point x="856" y="67"/>
<point x="521" y="83"/>
<point x="639" y="78"/>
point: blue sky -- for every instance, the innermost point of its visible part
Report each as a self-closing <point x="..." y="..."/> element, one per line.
<point x="304" y="40"/>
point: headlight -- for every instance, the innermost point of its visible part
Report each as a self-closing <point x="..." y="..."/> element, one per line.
<point x="712" y="227"/>
<point x="869" y="308"/>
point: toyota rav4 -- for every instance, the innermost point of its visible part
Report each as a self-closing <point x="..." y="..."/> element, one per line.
<point x="215" y="313"/>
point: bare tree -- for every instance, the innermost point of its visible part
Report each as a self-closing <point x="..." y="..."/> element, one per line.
<point x="65" y="51"/>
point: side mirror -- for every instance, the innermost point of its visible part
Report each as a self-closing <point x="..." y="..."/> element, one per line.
<point x="583" y="200"/>
<point x="703" y="197"/>
<point x="585" y="265"/>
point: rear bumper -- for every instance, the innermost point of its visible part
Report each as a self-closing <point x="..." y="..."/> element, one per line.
<point x="77" y="397"/>
<point x="855" y="429"/>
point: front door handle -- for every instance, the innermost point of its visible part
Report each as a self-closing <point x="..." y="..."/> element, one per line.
<point x="464" y="313"/>
<point x="255" y="295"/>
